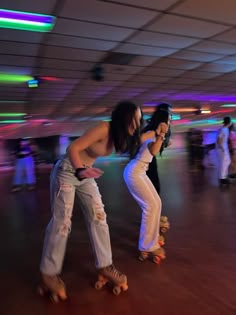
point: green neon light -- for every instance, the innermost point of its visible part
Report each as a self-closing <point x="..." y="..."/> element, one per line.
<point x="12" y="102"/>
<point x="14" y="78"/>
<point x="26" y="21"/>
<point x="11" y="121"/>
<point x="228" y="105"/>
<point x="25" y="26"/>
<point x="12" y="114"/>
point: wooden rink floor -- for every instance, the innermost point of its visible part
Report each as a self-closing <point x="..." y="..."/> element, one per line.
<point x="198" y="276"/>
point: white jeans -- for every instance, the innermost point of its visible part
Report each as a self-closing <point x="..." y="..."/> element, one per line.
<point x="148" y="199"/>
<point x="224" y="163"/>
<point x="64" y="186"/>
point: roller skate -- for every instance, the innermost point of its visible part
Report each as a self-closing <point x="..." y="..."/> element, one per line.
<point x="164" y="224"/>
<point x="16" y="188"/>
<point x="155" y="256"/>
<point x="224" y="184"/>
<point x="143" y="255"/>
<point x="161" y="240"/>
<point x="158" y="255"/>
<point x="111" y="275"/>
<point x="54" y="287"/>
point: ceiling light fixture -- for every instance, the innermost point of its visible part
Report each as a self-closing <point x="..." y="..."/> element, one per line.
<point x="26" y="21"/>
<point x="11" y="114"/>
<point x="14" y="78"/>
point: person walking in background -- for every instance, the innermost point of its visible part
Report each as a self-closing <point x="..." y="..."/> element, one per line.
<point x="75" y="174"/>
<point x="24" y="167"/>
<point x="142" y="189"/>
<point x="223" y="152"/>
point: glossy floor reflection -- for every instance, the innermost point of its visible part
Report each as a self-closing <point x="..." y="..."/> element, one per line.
<point x="198" y="276"/>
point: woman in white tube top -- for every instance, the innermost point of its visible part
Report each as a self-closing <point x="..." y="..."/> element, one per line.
<point x="142" y="189"/>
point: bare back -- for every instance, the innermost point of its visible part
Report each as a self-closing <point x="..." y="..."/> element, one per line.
<point x="92" y="144"/>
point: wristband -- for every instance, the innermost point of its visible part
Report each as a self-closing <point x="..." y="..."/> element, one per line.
<point x="160" y="136"/>
<point x="78" y="170"/>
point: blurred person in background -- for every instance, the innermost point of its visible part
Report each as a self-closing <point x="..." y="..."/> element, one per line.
<point x="24" y="167"/>
<point x="222" y="146"/>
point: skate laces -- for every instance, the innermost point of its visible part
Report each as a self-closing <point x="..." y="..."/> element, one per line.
<point x="116" y="273"/>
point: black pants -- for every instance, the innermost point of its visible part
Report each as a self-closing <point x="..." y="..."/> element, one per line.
<point x="152" y="173"/>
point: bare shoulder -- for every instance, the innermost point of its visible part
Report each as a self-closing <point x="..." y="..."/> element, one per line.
<point x="101" y="129"/>
<point x="147" y="135"/>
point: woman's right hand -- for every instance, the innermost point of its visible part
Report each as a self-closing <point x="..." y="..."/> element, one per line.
<point x="162" y="128"/>
<point x="91" y="172"/>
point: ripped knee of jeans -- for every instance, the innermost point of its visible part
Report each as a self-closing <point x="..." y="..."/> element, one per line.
<point x="99" y="213"/>
<point x="65" y="227"/>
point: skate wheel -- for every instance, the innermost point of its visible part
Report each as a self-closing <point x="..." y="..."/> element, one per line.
<point x="156" y="260"/>
<point x="125" y="287"/>
<point x="116" y="290"/>
<point x="98" y="285"/>
<point x="163" y="230"/>
<point x="40" y="291"/>
<point x="54" y="298"/>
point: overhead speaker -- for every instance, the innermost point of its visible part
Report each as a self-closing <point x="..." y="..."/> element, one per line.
<point x="97" y="73"/>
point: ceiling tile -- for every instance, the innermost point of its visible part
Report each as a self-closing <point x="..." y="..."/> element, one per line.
<point x="214" y="67"/>
<point x="210" y="46"/>
<point x="73" y="53"/>
<point x="209" y="10"/>
<point x="151" y="4"/>
<point x="145" y="50"/>
<point x="229" y="37"/>
<point x="91" y="30"/>
<point x="41" y="7"/>
<point x="196" y="56"/>
<point x="100" y="12"/>
<point x="176" y="63"/>
<point x="76" y="42"/>
<point x="179" y="25"/>
<point x="162" y="40"/>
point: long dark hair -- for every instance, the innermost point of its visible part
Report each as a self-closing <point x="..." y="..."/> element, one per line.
<point x="158" y="117"/>
<point x="121" y="119"/>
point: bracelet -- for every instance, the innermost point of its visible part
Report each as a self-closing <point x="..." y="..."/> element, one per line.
<point x="78" y="170"/>
<point x="160" y="136"/>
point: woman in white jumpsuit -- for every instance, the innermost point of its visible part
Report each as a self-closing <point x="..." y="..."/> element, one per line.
<point x="142" y="189"/>
<point x="223" y="152"/>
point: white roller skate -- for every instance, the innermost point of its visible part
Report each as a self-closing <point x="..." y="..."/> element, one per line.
<point x="164" y="224"/>
<point x="155" y="256"/>
<point x="111" y="275"/>
<point x="158" y="255"/>
<point x="52" y="286"/>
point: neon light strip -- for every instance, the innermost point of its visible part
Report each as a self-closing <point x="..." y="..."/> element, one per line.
<point x="11" y="102"/>
<point x="14" y="78"/>
<point x="11" y="121"/>
<point x="12" y="114"/>
<point x="228" y="105"/>
<point x="26" y="21"/>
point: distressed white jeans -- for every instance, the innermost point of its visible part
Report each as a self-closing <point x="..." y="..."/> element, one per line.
<point x="224" y="163"/>
<point x="63" y="187"/>
<point x="149" y="201"/>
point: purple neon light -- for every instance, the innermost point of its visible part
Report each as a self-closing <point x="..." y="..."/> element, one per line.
<point x="26" y="16"/>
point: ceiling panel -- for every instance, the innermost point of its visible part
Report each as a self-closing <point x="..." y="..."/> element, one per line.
<point x="180" y="25"/>
<point x="107" y="13"/>
<point x="79" y="42"/>
<point x="162" y="40"/>
<point x="210" y="46"/>
<point x="209" y="10"/>
<point x="180" y="51"/>
<point x="145" y="50"/>
<point x="150" y="4"/>
<point x="91" y="30"/>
